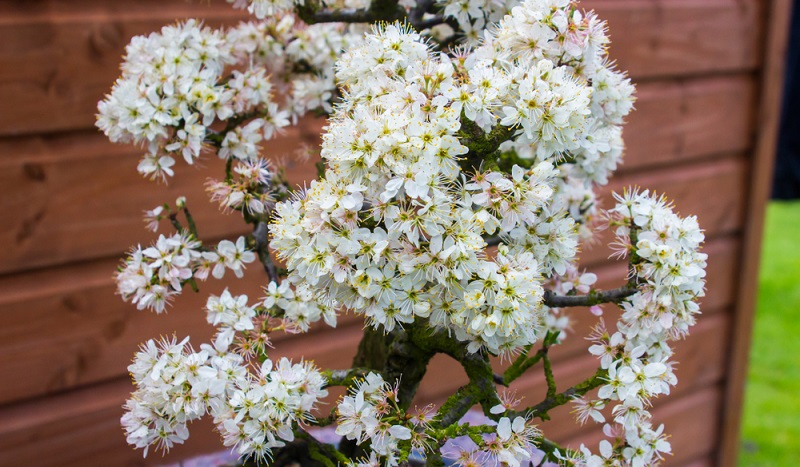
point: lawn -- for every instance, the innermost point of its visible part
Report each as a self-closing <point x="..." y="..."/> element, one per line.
<point x="771" y="425"/>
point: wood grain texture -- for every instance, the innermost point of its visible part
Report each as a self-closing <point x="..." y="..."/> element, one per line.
<point x="690" y="119"/>
<point x="660" y="38"/>
<point x="37" y="76"/>
<point x="56" y="65"/>
<point x="75" y="196"/>
<point x="715" y="191"/>
<point x="696" y="63"/>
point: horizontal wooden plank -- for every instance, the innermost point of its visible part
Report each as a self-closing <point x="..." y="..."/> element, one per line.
<point x="682" y="120"/>
<point x="715" y="191"/>
<point x="692" y="421"/>
<point x="59" y="11"/>
<point x="682" y="37"/>
<point x="65" y="333"/>
<point x="75" y="197"/>
<point x="82" y="428"/>
<point x="54" y="67"/>
<point x="55" y="91"/>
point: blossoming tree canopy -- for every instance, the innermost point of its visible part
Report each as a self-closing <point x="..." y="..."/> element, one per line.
<point x="464" y="143"/>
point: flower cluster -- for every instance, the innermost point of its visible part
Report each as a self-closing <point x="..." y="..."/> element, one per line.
<point x="297" y="307"/>
<point x="263" y="410"/>
<point x="458" y="183"/>
<point x="172" y="90"/>
<point x="230" y="314"/>
<point x="174" y="386"/>
<point x="670" y="271"/>
<point x="168" y="94"/>
<point x="151" y="277"/>
<point x="249" y="191"/>
<point x="544" y="69"/>
<point x="395" y="228"/>
<point x="370" y="412"/>
<point x="300" y="58"/>
<point x="510" y="442"/>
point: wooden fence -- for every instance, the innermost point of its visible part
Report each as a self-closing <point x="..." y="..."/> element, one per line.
<point x="708" y="76"/>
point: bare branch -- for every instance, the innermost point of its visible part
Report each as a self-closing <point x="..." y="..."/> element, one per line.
<point x="343" y="377"/>
<point x="595" y="297"/>
<point x="261" y="244"/>
<point x="312" y="12"/>
<point x="551" y="401"/>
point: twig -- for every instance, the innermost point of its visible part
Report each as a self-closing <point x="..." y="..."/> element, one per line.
<point x="173" y="219"/>
<point x="548" y="373"/>
<point x="594" y="297"/>
<point x="343" y="377"/>
<point x="520" y="366"/>
<point x="261" y="240"/>
<point x="540" y="410"/>
<point x="190" y="222"/>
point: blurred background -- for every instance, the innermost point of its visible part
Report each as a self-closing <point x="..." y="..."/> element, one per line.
<point x="709" y="77"/>
<point x="770" y="425"/>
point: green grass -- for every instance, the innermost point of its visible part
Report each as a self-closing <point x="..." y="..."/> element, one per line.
<point x="771" y="424"/>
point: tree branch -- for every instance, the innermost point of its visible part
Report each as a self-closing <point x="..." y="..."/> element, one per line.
<point x="457" y="405"/>
<point x="548" y="373"/>
<point x="321" y="452"/>
<point x="481" y="145"/>
<point x="261" y="245"/>
<point x="594" y="297"/>
<point x="343" y="377"/>
<point x="551" y="401"/>
<point x="521" y="365"/>
<point x="312" y="12"/>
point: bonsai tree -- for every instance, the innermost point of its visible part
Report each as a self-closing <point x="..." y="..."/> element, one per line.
<point x="464" y="143"/>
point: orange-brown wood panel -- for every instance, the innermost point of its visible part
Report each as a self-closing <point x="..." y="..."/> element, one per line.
<point x="682" y="37"/>
<point x="692" y="422"/>
<point x="76" y="196"/>
<point x="55" y="65"/>
<point x="686" y="120"/>
<point x="71" y="338"/>
<point x="38" y="78"/>
<point x="714" y="191"/>
<point x="64" y="333"/>
<point x="81" y="428"/>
